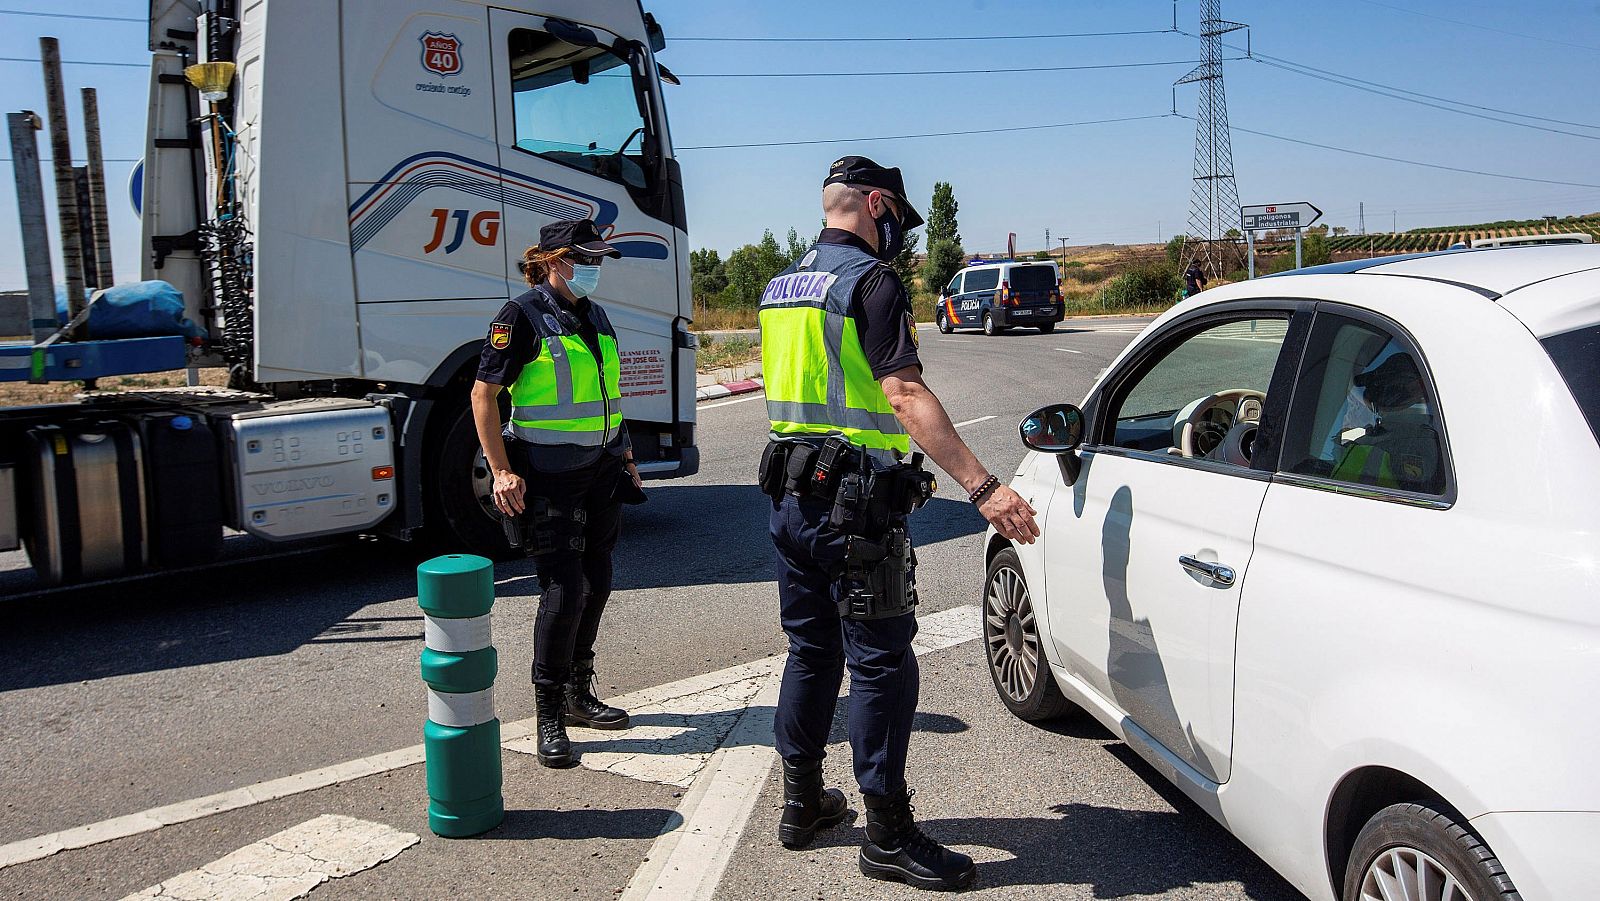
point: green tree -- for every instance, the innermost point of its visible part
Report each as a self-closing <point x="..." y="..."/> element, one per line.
<point x="796" y="248"/>
<point x="905" y="263"/>
<point x="944" y="261"/>
<point x="944" y="239"/>
<point x="750" y="268"/>
<point x="1042" y="256"/>
<point x="707" y="276"/>
<point x="1143" y="286"/>
<point x="1175" y="249"/>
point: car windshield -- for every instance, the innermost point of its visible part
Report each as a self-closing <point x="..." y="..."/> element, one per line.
<point x="1032" y="278"/>
<point x="1577" y="355"/>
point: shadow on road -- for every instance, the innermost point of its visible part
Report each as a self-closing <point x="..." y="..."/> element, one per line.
<point x="639" y="823"/>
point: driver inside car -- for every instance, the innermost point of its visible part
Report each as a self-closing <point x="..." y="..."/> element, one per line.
<point x="1401" y="450"/>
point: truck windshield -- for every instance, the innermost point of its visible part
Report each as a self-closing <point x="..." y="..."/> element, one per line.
<point x="1032" y="278"/>
<point x="1577" y="356"/>
<point x="577" y="106"/>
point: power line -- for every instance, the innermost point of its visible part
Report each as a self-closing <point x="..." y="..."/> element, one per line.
<point x="1517" y="34"/>
<point x="29" y="12"/>
<point x="1396" y="159"/>
<point x="963" y="37"/>
<point x="938" y="134"/>
<point x="73" y="62"/>
<point x="1174" y="62"/>
<point x="7" y="159"/>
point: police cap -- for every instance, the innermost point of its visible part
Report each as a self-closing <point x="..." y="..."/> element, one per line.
<point x="579" y="234"/>
<point x="860" y="171"/>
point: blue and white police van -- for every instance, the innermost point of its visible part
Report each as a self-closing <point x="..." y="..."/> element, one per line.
<point x="998" y="294"/>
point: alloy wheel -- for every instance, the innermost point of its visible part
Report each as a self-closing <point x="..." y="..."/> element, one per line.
<point x="1012" y="633"/>
<point x="1407" y="874"/>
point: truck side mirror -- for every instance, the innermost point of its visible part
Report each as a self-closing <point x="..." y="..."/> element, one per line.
<point x="1056" y="429"/>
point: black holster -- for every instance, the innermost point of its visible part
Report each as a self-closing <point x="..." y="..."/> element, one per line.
<point x="543" y="528"/>
<point x="879" y="578"/>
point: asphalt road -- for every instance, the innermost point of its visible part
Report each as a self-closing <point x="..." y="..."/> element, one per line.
<point x="121" y="699"/>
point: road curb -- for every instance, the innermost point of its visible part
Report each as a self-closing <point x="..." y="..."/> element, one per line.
<point x="727" y="389"/>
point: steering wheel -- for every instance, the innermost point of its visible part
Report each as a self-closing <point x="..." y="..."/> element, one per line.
<point x="1198" y="436"/>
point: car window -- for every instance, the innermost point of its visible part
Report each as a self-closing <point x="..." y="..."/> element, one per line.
<point x="1032" y="278"/>
<point x="1204" y="396"/>
<point x="1364" y="412"/>
<point x="982" y="280"/>
<point x="955" y="285"/>
<point x="576" y="106"/>
<point x="1577" y="355"/>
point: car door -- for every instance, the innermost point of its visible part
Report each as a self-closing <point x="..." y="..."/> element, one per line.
<point x="1147" y="555"/>
<point x="952" y="293"/>
<point x="976" y="292"/>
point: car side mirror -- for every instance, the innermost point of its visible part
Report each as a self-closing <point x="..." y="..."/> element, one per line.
<point x="1056" y="429"/>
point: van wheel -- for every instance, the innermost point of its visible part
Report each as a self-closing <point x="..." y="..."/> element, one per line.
<point x="945" y="327"/>
<point x="1013" y="646"/>
<point x="1407" y="848"/>
<point x="1047" y="328"/>
<point x="459" y="515"/>
<point x="989" y="328"/>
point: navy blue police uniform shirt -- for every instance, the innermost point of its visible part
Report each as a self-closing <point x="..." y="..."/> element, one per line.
<point x="882" y="312"/>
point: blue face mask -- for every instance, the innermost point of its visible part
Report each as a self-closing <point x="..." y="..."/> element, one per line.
<point x="584" y="280"/>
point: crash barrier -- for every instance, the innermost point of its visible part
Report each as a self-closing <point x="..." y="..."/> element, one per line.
<point x="461" y="740"/>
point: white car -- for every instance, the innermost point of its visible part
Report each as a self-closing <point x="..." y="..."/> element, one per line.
<point x="1324" y="549"/>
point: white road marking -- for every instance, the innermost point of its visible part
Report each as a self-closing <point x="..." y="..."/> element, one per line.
<point x="289" y="864"/>
<point x="757" y="395"/>
<point x="974" y="421"/>
<point x="689" y="858"/>
<point x="1068" y="350"/>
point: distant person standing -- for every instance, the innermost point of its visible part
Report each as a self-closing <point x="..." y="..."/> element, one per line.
<point x="1194" y="279"/>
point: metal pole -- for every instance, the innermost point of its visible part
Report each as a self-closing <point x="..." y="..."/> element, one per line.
<point x="1250" y="241"/>
<point x="97" y="189"/>
<point x="80" y="181"/>
<point x="35" y="231"/>
<point x="66" y="185"/>
<point x="1297" y="248"/>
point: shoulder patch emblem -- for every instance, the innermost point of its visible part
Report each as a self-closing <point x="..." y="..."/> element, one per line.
<point x="808" y="259"/>
<point x="911" y="326"/>
<point x="552" y="323"/>
<point x="500" y="335"/>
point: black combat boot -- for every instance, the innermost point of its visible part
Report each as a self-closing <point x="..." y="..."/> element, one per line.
<point x="897" y="850"/>
<point x="806" y="807"/>
<point x="555" y="750"/>
<point x="583" y="708"/>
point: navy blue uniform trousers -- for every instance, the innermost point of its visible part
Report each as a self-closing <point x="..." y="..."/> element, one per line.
<point x="883" y="668"/>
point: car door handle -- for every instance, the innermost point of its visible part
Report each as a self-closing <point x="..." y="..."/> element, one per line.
<point x="1216" y="572"/>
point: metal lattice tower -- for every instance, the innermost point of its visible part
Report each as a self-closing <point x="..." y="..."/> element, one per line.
<point x="1214" y="199"/>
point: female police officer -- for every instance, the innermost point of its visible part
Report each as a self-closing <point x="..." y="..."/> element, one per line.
<point x="560" y="464"/>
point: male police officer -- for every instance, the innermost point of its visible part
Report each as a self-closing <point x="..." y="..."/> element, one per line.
<point x="844" y="388"/>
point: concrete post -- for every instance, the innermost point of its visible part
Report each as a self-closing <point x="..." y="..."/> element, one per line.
<point x="97" y="189"/>
<point x="461" y="740"/>
<point x="66" y="183"/>
<point x="1250" y="241"/>
<point x="35" y="231"/>
<point x="1297" y="257"/>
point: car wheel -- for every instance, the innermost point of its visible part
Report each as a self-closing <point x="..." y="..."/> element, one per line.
<point x="1047" y="328"/>
<point x="1420" y="851"/>
<point x="1012" y="645"/>
<point x="945" y="327"/>
<point x="989" y="328"/>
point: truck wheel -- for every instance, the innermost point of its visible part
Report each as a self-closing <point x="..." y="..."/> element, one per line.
<point x="1406" y="847"/>
<point x="460" y="517"/>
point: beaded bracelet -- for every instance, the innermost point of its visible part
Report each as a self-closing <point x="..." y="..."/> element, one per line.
<point x="988" y="485"/>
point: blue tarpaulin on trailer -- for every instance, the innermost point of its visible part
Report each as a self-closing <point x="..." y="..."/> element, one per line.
<point x="134" y="310"/>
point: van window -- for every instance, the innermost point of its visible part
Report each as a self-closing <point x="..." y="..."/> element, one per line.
<point x="1032" y="278"/>
<point x="1577" y="355"/>
<point x="982" y="280"/>
<point x="955" y="286"/>
<point x="576" y="106"/>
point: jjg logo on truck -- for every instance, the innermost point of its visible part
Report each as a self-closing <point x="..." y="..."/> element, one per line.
<point x="485" y="229"/>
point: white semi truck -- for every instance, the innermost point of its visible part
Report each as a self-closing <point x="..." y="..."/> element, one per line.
<point x="345" y="223"/>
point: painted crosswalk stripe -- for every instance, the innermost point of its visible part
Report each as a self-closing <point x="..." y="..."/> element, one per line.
<point x="289" y="864"/>
<point x="688" y="859"/>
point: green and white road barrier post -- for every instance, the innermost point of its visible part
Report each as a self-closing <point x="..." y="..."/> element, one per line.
<point x="461" y="739"/>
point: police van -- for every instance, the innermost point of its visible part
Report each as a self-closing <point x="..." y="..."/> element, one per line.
<point x="997" y="295"/>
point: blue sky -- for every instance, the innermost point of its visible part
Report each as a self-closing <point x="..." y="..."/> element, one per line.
<point x="1121" y="182"/>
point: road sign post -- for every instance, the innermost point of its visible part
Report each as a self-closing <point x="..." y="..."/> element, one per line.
<point x="1297" y="216"/>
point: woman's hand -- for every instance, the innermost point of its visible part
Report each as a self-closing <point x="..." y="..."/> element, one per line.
<point x="508" y="490"/>
<point x="633" y="471"/>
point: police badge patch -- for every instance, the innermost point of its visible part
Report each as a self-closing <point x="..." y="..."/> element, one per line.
<point x="500" y="335"/>
<point x="911" y="327"/>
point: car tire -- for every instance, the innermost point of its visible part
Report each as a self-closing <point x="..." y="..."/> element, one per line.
<point x="1010" y="637"/>
<point x="1404" y="841"/>
<point x="1047" y="328"/>
<point x="455" y="518"/>
<point x="989" y="328"/>
<point x="945" y="327"/>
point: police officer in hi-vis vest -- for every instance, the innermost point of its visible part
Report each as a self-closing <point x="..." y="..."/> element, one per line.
<point x="562" y="465"/>
<point x="845" y="394"/>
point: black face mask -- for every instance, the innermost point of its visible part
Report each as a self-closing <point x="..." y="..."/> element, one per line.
<point x="891" y="237"/>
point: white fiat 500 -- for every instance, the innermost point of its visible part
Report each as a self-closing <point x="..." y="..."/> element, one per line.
<point x="1324" y="549"/>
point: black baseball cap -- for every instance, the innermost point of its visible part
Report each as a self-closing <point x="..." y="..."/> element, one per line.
<point x="860" y="171"/>
<point x="579" y="234"/>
